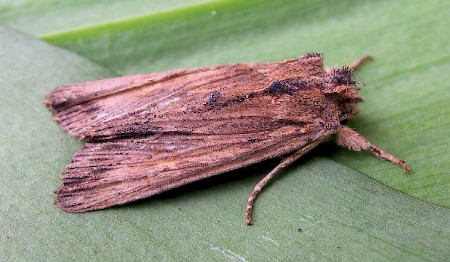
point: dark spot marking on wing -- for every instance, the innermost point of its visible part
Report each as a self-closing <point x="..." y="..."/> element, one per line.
<point x="286" y="86"/>
<point x="213" y="97"/>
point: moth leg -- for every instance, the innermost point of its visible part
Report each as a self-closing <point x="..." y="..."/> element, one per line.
<point x="284" y="163"/>
<point x="349" y="138"/>
<point x="356" y="64"/>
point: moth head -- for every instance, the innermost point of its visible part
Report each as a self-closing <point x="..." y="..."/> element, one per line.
<point x="343" y="90"/>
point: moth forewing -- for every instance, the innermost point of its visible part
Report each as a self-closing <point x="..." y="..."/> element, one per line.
<point x="119" y="171"/>
<point x="150" y="133"/>
<point x="173" y="103"/>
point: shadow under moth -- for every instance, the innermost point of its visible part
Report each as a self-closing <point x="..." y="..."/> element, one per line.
<point x="149" y="133"/>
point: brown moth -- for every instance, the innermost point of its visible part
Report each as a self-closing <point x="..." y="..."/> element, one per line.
<point x="150" y="133"/>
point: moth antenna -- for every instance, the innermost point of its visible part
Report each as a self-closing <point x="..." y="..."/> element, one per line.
<point x="353" y="66"/>
<point x="284" y="163"/>
<point x="360" y="61"/>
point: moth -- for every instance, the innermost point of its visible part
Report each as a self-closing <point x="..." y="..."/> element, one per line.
<point x="150" y="133"/>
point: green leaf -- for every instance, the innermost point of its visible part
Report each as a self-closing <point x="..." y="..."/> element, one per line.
<point x="46" y="16"/>
<point x="342" y="214"/>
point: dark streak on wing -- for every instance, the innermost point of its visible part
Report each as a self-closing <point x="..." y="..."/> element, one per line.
<point x="277" y="88"/>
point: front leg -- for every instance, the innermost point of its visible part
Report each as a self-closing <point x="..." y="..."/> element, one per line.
<point x="349" y="138"/>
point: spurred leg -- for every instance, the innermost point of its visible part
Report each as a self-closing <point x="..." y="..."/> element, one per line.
<point x="284" y="163"/>
<point x="349" y="138"/>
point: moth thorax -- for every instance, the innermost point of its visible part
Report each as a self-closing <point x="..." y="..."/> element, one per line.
<point x="343" y="89"/>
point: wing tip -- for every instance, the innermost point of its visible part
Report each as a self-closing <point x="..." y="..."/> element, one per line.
<point x="64" y="202"/>
<point x="69" y="202"/>
<point x="55" y="109"/>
